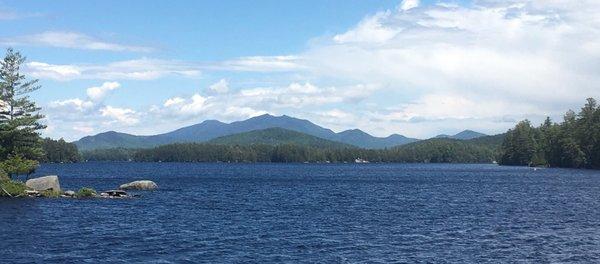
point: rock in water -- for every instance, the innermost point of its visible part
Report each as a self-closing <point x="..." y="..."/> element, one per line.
<point x="114" y="194"/>
<point x="139" y="185"/>
<point x="44" y="183"/>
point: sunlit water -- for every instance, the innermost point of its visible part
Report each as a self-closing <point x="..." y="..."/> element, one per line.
<point x="293" y="213"/>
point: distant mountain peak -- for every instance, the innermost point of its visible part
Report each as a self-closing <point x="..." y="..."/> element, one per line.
<point x="463" y="135"/>
<point x="212" y="121"/>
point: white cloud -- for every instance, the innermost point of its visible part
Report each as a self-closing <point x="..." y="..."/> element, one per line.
<point x="72" y="104"/>
<point x="479" y="62"/>
<point x="123" y="115"/>
<point x="72" y="40"/>
<point x="173" y="101"/>
<point x="409" y="4"/>
<point x="97" y="94"/>
<point x="56" y="72"/>
<point x="222" y="86"/>
<point x="139" y="69"/>
<point x="83" y="129"/>
<point x="256" y="101"/>
<point x="261" y="64"/>
<point x="85" y="115"/>
<point x="369" y="30"/>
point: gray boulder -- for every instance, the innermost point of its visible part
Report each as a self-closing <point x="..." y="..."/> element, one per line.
<point x="139" y="185"/>
<point x="69" y="194"/>
<point x="44" y="183"/>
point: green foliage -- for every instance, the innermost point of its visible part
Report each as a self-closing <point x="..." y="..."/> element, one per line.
<point x="10" y="188"/>
<point x="19" y="116"/>
<point x="3" y="175"/>
<point x="17" y="165"/>
<point x="442" y="151"/>
<point x="59" y="151"/>
<point x="86" y="192"/>
<point x="574" y="143"/>
<point x="519" y="145"/>
<point x="113" y="154"/>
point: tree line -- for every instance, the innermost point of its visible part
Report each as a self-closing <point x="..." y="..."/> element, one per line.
<point x="427" y="151"/>
<point x="573" y="143"/>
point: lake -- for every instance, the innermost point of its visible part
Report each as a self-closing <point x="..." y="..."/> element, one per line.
<point x="326" y="213"/>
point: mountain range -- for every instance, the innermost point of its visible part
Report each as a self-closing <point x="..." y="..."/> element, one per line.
<point x="213" y="129"/>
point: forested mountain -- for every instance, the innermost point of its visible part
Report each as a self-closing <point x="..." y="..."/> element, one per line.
<point x="463" y="135"/>
<point x="574" y="143"/>
<point x="212" y="129"/>
<point x="277" y="136"/>
<point x="361" y="139"/>
<point x="114" y="139"/>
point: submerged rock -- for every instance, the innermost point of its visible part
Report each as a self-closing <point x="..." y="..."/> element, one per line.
<point x="44" y="183"/>
<point x="139" y="185"/>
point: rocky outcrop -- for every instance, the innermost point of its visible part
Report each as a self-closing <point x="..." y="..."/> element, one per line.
<point x="44" y="183"/>
<point x="114" y="194"/>
<point x="139" y="185"/>
<point x="69" y="194"/>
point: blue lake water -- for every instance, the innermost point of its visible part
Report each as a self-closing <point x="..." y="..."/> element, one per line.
<point x="313" y="213"/>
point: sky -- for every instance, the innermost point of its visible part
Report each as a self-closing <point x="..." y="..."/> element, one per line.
<point x="416" y="68"/>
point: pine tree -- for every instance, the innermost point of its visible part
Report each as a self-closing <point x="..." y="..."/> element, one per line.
<point x="19" y="116"/>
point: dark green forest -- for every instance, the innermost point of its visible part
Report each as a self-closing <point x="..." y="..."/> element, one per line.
<point x="428" y="151"/>
<point x="59" y="151"/>
<point x="573" y="143"/>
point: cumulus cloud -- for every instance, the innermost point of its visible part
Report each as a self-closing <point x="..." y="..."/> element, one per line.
<point x="122" y="115"/>
<point x="222" y="86"/>
<point x="83" y="115"/>
<point x="99" y="93"/>
<point x="71" y="40"/>
<point x="409" y="4"/>
<point x="370" y="30"/>
<point x="250" y="102"/>
<point x="475" y="62"/>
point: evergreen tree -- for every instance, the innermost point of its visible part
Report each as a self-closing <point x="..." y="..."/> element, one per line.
<point x="19" y="116"/>
<point x="520" y="147"/>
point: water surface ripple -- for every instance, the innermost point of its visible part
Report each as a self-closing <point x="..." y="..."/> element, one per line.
<point x="312" y="213"/>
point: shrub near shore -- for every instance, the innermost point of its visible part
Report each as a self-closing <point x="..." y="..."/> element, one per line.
<point x="9" y="188"/>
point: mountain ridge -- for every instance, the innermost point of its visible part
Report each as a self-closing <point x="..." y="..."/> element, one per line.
<point x="463" y="135"/>
<point x="277" y="136"/>
<point x="210" y="129"/>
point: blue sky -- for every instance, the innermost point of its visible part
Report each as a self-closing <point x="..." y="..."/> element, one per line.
<point x="417" y="68"/>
